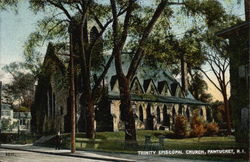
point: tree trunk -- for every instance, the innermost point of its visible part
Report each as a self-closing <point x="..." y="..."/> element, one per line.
<point x="127" y="111"/>
<point x="228" y="118"/>
<point x="90" y="129"/>
<point x="184" y="74"/>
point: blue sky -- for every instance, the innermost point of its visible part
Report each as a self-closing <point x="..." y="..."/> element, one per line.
<point x="15" y="29"/>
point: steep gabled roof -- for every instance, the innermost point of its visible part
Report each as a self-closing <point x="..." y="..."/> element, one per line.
<point x="160" y="99"/>
<point x="146" y="84"/>
<point x="136" y="80"/>
<point x="52" y="59"/>
<point x="174" y="87"/>
<point x="161" y="86"/>
<point x="113" y="81"/>
<point x="226" y="33"/>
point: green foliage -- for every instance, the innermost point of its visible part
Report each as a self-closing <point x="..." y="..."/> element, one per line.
<point x="180" y="126"/>
<point x="23" y="109"/>
<point x="21" y="88"/>
<point x="198" y="87"/>
<point x="212" y="129"/>
<point x="197" y="126"/>
<point x="218" y="111"/>
<point x="7" y="125"/>
<point x="6" y="4"/>
<point x="212" y="10"/>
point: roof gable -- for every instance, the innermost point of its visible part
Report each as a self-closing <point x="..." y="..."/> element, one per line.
<point x="149" y="86"/>
<point x="163" y="88"/>
<point x="52" y="63"/>
<point x="114" y="85"/>
<point x="179" y="92"/>
<point x="136" y="86"/>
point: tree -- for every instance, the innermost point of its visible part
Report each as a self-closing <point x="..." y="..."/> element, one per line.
<point x="198" y="87"/>
<point x="215" y="49"/>
<point x="120" y="34"/>
<point x="219" y="66"/>
<point x="197" y="126"/>
<point x="218" y="111"/>
<point x="200" y="41"/>
<point x="74" y="16"/>
<point x="21" y="88"/>
<point x="180" y="126"/>
<point x="7" y="125"/>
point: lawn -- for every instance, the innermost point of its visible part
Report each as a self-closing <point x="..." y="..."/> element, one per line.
<point x="114" y="142"/>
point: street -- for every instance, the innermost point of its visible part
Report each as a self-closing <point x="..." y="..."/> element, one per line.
<point x="30" y="153"/>
<point x="24" y="156"/>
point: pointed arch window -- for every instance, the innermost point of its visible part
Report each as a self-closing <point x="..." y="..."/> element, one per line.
<point x="188" y="114"/>
<point x="201" y="112"/>
<point x="158" y="114"/>
<point x="140" y="113"/>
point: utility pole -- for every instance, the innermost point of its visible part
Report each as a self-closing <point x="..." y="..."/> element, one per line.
<point x="72" y="93"/>
<point x="0" y="107"/>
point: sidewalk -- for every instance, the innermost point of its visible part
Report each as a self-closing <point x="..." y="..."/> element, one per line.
<point x="62" y="152"/>
<point x="93" y="155"/>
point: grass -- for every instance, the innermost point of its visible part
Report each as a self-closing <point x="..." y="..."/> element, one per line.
<point x="18" y="138"/>
<point x="114" y="142"/>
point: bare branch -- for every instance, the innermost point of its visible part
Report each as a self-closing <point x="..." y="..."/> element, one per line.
<point x="60" y="6"/>
<point x="210" y="79"/>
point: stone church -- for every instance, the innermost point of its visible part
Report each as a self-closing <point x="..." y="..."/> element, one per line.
<point x="157" y="98"/>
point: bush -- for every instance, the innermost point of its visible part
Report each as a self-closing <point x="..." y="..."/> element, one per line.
<point x="197" y="126"/>
<point x="212" y="129"/>
<point x="180" y="126"/>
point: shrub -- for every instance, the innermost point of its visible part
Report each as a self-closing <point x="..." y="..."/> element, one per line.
<point x="212" y="129"/>
<point x="180" y="126"/>
<point x="197" y="126"/>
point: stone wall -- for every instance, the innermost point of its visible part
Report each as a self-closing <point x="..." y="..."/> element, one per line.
<point x="153" y="116"/>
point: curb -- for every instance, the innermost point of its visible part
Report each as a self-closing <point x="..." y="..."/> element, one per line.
<point x="69" y="155"/>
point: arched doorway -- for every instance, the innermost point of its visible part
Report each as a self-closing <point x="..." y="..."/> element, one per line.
<point x="188" y="114"/>
<point x="180" y="109"/>
<point x="173" y="114"/>
<point x="149" y="118"/>
<point x="201" y="112"/>
<point x="141" y="113"/>
<point x="166" y="117"/>
<point x="158" y="115"/>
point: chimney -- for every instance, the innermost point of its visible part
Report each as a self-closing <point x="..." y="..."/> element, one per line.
<point x="247" y="10"/>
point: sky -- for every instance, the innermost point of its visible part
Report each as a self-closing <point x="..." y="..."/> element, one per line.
<point x="15" y="29"/>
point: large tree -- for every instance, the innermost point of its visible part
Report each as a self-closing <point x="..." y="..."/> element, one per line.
<point x="138" y="41"/>
<point x="218" y="62"/>
<point x="120" y="34"/>
<point x="21" y="87"/>
<point x="74" y="16"/>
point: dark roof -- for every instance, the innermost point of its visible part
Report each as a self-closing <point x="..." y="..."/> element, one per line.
<point x="174" y="86"/>
<point x="161" y="86"/>
<point x="133" y="82"/>
<point x="160" y="99"/>
<point x="225" y="33"/>
<point x="146" y="83"/>
<point x="52" y="58"/>
<point x="112" y="81"/>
